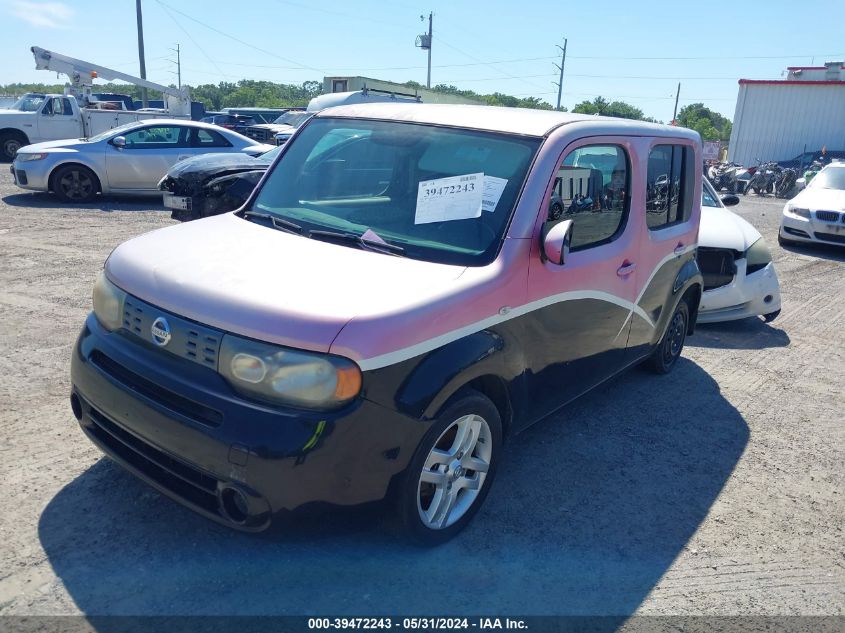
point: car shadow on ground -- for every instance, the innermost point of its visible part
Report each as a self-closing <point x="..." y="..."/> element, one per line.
<point x="821" y="251"/>
<point x="101" y="203"/>
<point x="751" y="333"/>
<point x="589" y="510"/>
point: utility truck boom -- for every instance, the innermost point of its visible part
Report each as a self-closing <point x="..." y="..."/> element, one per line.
<point x="38" y="117"/>
<point x="82" y="74"/>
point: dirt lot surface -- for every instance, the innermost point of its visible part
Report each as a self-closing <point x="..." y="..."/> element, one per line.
<point x="715" y="490"/>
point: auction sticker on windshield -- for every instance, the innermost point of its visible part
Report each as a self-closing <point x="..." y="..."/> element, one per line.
<point x="452" y="198"/>
<point x="493" y="188"/>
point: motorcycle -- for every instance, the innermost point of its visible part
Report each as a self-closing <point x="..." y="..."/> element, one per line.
<point x="785" y="183"/>
<point x="763" y="179"/>
<point x="723" y="176"/>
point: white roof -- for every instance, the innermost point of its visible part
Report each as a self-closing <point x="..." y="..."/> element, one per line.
<point x="499" y="119"/>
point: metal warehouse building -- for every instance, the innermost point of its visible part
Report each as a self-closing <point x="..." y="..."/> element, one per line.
<point x="780" y="119"/>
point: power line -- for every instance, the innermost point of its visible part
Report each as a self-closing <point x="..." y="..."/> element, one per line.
<point x="442" y="41"/>
<point x="185" y="31"/>
<point x="708" y="57"/>
<point x="238" y="40"/>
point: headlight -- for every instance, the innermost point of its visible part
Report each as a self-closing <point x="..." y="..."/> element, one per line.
<point x="108" y="303"/>
<point x="801" y="213"/>
<point x="757" y="257"/>
<point x="24" y="158"/>
<point x="283" y="375"/>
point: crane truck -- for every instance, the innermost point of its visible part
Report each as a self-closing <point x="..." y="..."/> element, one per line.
<point x="78" y="112"/>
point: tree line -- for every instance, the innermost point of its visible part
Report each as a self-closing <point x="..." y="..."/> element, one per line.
<point x="267" y="94"/>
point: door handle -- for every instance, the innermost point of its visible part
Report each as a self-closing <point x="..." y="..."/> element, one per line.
<point x="626" y="268"/>
<point x="679" y="248"/>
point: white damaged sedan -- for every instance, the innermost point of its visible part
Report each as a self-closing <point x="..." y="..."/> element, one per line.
<point x="739" y="277"/>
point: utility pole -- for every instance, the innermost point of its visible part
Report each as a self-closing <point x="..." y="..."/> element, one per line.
<point x="144" y="101"/>
<point x="562" y="63"/>
<point x="424" y="42"/>
<point x="675" y="114"/>
<point x="178" y="66"/>
<point x="430" y="35"/>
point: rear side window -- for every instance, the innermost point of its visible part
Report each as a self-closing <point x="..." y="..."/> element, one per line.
<point x="208" y="138"/>
<point x="669" y="186"/>
<point x="592" y="189"/>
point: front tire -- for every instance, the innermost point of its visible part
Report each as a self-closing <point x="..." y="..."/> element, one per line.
<point x="785" y="242"/>
<point x="10" y="143"/>
<point x="75" y="183"/>
<point x="771" y="316"/>
<point x="452" y="470"/>
<point x="669" y="349"/>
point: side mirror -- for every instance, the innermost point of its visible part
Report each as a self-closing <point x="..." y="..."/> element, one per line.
<point x="730" y="199"/>
<point x="556" y="241"/>
<point x="119" y="142"/>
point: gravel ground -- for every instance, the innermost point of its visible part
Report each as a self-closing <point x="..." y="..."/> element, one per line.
<point x="716" y="490"/>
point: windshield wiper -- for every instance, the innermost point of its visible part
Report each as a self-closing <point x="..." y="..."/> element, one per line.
<point x="367" y="244"/>
<point x="278" y="223"/>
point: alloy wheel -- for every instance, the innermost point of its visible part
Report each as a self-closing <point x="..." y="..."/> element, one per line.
<point x="454" y="472"/>
<point x="76" y="185"/>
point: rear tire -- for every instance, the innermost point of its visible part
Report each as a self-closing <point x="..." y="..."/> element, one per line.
<point x="669" y="349"/>
<point x="75" y="183"/>
<point x="452" y="469"/>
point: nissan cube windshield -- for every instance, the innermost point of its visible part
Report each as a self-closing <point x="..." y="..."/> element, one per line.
<point x="432" y="193"/>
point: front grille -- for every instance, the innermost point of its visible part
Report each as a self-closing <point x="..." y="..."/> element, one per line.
<point x="830" y="237"/>
<point x="827" y="216"/>
<point x="169" y="400"/>
<point x="188" y="340"/>
<point x="258" y="134"/>
<point x="182" y="479"/>
<point x="717" y="265"/>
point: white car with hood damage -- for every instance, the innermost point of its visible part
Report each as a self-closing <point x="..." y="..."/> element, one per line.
<point x="739" y="277"/>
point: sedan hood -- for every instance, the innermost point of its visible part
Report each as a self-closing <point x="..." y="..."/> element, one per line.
<point x="212" y="164"/>
<point x="252" y="280"/>
<point x="721" y="228"/>
<point x="69" y="144"/>
<point x="816" y="198"/>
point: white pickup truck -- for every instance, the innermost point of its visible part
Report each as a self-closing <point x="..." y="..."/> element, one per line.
<point x="37" y="117"/>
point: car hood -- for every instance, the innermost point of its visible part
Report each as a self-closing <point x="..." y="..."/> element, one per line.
<point x="212" y="164"/>
<point x="721" y="228"/>
<point x="246" y="278"/>
<point x="816" y="198"/>
<point x="273" y="127"/>
<point x="70" y="144"/>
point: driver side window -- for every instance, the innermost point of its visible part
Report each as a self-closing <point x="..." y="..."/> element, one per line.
<point x="592" y="188"/>
<point x="164" y="136"/>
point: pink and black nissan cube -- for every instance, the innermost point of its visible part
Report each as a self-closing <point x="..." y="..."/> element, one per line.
<point x="407" y="286"/>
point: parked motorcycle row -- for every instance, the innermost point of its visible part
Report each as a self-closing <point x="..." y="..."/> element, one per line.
<point x="765" y="178"/>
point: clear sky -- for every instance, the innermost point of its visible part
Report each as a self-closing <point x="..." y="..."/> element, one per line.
<point x="635" y="52"/>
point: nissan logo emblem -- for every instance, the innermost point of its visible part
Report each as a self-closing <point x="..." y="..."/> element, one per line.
<point x="160" y="331"/>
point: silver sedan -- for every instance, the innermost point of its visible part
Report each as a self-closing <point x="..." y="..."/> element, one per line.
<point x="130" y="159"/>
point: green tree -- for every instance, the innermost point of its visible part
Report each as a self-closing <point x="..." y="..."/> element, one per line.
<point x="711" y="125"/>
<point x="603" y="107"/>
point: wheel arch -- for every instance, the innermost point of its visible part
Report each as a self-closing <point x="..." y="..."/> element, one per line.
<point x="15" y="132"/>
<point x="482" y="361"/>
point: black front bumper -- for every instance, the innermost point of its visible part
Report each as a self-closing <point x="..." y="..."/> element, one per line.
<point x="182" y="429"/>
